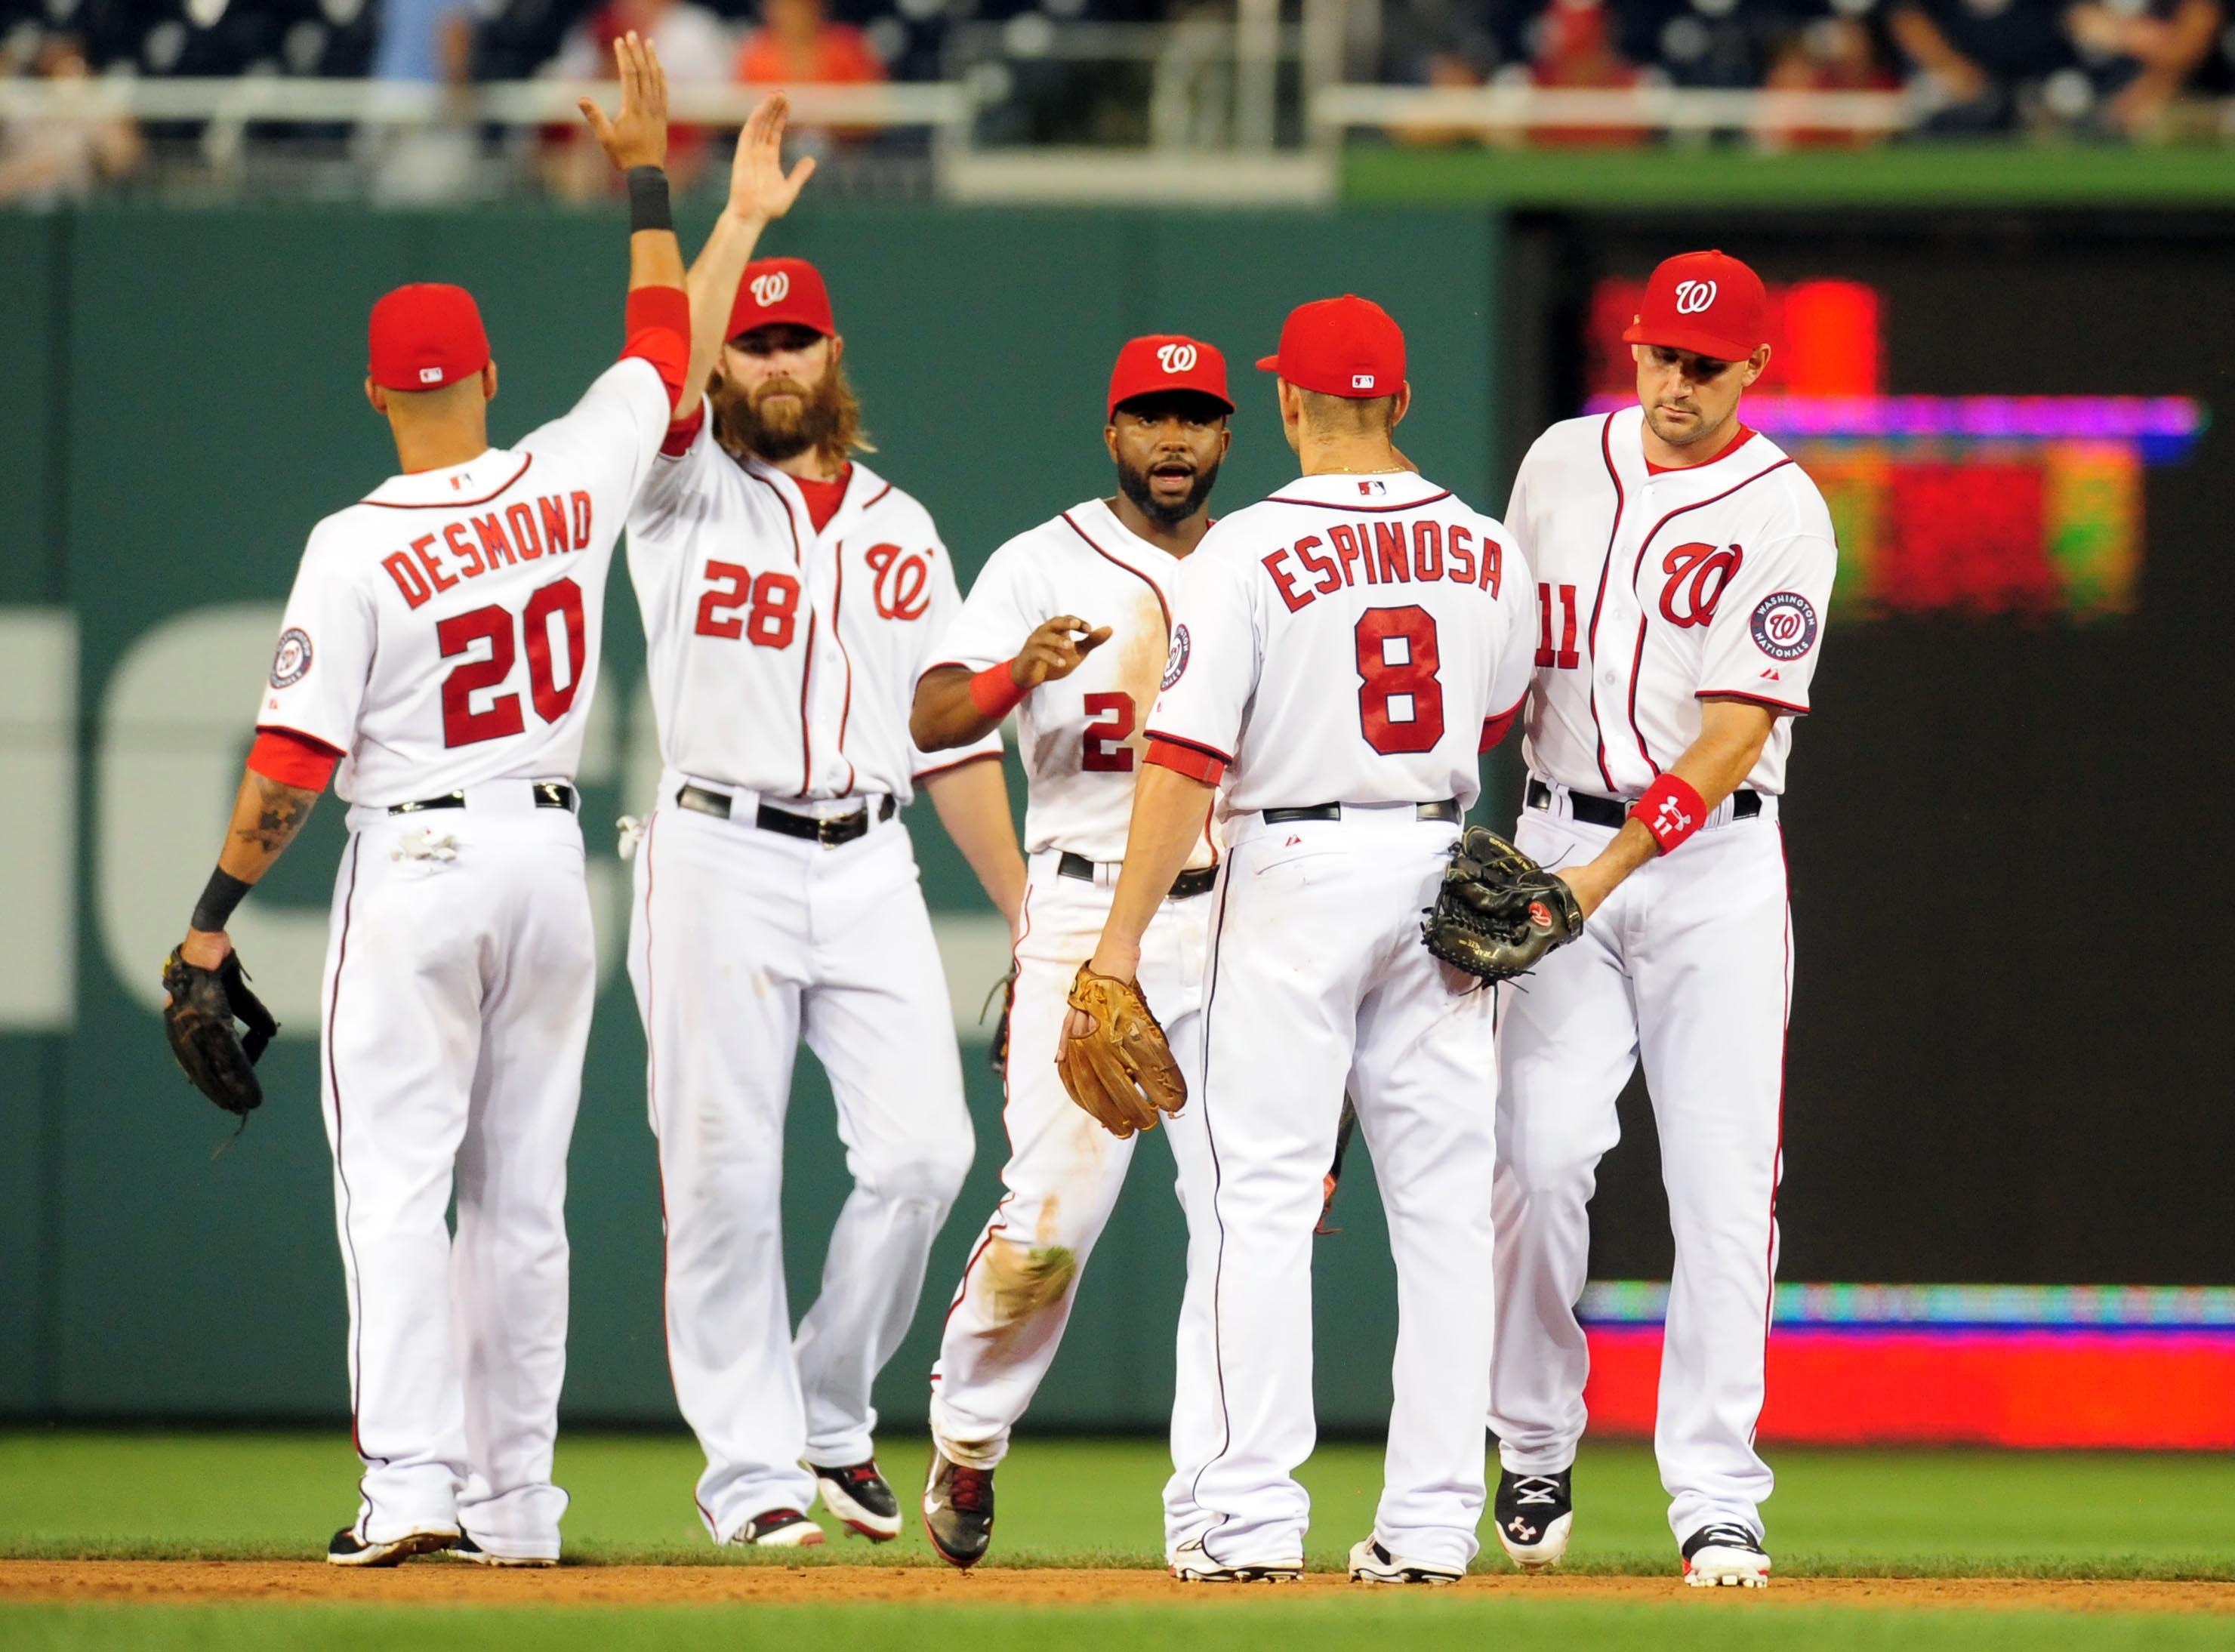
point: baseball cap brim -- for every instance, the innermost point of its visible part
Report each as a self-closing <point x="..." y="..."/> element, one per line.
<point x="1698" y="340"/>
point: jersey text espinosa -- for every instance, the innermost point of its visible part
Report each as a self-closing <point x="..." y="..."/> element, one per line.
<point x="1383" y="554"/>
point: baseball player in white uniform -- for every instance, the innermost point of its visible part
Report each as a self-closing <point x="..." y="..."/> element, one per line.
<point x="440" y="651"/>
<point x="791" y="597"/>
<point x="1069" y="625"/>
<point x="1341" y="653"/>
<point x="1683" y="564"/>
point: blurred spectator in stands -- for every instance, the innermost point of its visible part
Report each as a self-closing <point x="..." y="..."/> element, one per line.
<point x="797" y="44"/>
<point x="694" y="49"/>
<point x="1981" y="61"/>
<point x="1575" y="49"/>
<point x="425" y="43"/>
<point x="46" y="162"/>
<point x="1834" y="53"/>
<point x="2142" y="53"/>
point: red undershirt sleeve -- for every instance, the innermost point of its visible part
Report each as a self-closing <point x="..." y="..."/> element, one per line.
<point x="658" y="327"/>
<point x="293" y="759"/>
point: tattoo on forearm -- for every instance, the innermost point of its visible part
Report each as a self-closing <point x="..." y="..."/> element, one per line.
<point x="281" y="810"/>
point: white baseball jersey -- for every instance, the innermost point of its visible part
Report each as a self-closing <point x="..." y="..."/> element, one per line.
<point x="444" y="630"/>
<point x="1345" y="641"/>
<point x="1080" y="736"/>
<point x="783" y="660"/>
<point x="1656" y="588"/>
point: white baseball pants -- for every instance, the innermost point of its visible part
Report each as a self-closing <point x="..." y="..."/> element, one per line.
<point x="459" y="977"/>
<point x="1687" y="967"/>
<point x="1318" y="981"/>
<point x="743" y="941"/>
<point x="1064" y="1171"/>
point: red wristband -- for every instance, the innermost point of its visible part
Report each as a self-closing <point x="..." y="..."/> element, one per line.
<point x="1672" y="810"/>
<point x="995" y="692"/>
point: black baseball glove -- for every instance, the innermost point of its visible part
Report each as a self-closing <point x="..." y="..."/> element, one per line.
<point x="199" y="1020"/>
<point x="1498" y="912"/>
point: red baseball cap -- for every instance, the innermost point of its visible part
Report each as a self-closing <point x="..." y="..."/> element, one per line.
<point x="1169" y="360"/>
<point x="781" y="290"/>
<point x="1347" y="347"/>
<point x="425" y="336"/>
<point x="1707" y="303"/>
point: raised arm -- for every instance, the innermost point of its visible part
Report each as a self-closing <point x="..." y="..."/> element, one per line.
<point x="760" y="191"/>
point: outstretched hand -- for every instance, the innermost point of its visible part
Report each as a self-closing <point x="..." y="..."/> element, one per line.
<point x="1054" y="650"/>
<point x="638" y="135"/>
<point x="760" y="189"/>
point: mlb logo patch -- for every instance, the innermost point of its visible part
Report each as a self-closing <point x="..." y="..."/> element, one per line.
<point x="430" y="375"/>
<point x="1369" y="489"/>
<point x="1361" y="381"/>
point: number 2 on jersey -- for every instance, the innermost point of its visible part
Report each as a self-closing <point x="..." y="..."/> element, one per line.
<point x="462" y="723"/>
<point x="1400" y="704"/>
<point x="1111" y="721"/>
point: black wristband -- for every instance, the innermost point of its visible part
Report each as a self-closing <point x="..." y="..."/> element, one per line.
<point x="647" y="191"/>
<point x="224" y="893"/>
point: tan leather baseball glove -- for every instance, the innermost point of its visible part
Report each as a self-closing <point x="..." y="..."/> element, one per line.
<point x="1121" y="1071"/>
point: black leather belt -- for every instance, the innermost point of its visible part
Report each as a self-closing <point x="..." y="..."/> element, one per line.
<point x="549" y="794"/>
<point x="1185" y="887"/>
<point x="1612" y="811"/>
<point x="1446" y="811"/>
<point x="830" y="831"/>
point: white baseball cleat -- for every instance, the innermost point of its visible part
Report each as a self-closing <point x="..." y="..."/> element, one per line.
<point x="1725" y="1555"/>
<point x="347" y="1549"/>
<point x="1535" y="1514"/>
<point x="466" y="1548"/>
<point x="1190" y="1563"/>
<point x="1371" y="1562"/>
<point x="779" y="1529"/>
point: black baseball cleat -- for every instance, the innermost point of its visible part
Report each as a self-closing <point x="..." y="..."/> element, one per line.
<point x="779" y="1529"/>
<point x="1725" y="1555"/>
<point x="860" y="1498"/>
<point x="1535" y="1513"/>
<point x="348" y="1549"/>
<point x="958" y="1510"/>
<point x="466" y="1548"/>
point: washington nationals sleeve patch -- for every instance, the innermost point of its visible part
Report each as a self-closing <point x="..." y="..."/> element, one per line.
<point x="1784" y="624"/>
<point x="1176" y="662"/>
<point x="292" y="663"/>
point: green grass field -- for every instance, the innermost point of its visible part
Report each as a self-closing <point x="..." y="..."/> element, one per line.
<point x="1075" y="1501"/>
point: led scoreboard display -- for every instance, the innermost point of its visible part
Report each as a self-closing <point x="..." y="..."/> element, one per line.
<point x="1987" y="505"/>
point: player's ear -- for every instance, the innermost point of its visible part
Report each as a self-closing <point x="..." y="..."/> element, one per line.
<point x="837" y="349"/>
<point x="1757" y="364"/>
<point x="1225" y="440"/>
<point x="377" y="395"/>
<point x="488" y="380"/>
<point x="1109" y="439"/>
<point x="1404" y="404"/>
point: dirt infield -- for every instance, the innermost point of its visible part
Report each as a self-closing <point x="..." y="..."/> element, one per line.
<point x="439" y="1582"/>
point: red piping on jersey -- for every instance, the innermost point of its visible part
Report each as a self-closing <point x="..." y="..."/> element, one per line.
<point x="846" y="706"/>
<point x="1777" y="1152"/>
<point x="959" y="763"/>
<point x="876" y="496"/>
<point x="1751" y="699"/>
<point x="1591" y="640"/>
<point x="807" y="665"/>
<point x="1163" y="607"/>
<point x="1322" y="504"/>
<point x="453" y="504"/>
<point x="341" y="1170"/>
<point x="1638" y="568"/>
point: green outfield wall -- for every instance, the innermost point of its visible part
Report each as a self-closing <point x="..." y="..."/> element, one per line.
<point x="183" y="403"/>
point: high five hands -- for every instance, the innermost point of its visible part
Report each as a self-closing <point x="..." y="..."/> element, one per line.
<point x="638" y="135"/>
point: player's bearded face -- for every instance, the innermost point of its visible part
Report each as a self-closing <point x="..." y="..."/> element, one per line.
<point x="1168" y="455"/>
<point x="777" y="402"/>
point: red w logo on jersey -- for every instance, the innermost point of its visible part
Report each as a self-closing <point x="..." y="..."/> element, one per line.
<point x="902" y="581"/>
<point x="1698" y="575"/>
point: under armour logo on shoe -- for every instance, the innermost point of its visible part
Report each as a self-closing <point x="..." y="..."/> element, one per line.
<point x="1522" y="1531"/>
